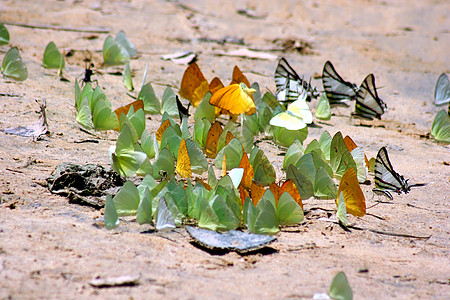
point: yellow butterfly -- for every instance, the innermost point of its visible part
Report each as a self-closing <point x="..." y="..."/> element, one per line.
<point x="353" y="195"/>
<point x="235" y="98"/>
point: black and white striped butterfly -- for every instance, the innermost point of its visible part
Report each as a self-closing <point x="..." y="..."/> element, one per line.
<point x="368" y="104"/>
<point x="386" y="179"/>
<point x="337" y="89"/>
<point x="442" y="90"/>
<point x="289" y="85"/>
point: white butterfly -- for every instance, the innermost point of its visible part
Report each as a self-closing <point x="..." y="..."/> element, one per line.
<point x="164" y="217"/>
<point x="442" y="90"/>
<point x="296" y="117"/>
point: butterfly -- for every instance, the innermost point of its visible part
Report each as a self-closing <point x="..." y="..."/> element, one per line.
<point x="164" y="217"/>
<point x="440" y="129"/>
<point x="182" y="111"/>
<point x="352" y="194"/>
<point x="13" y="65"/>
<point x="337" y="89"/>
<point x="235" y="98"/>
<point x="53" y="59"/>
<point x="368" y="104"/>
<point x="194" y="85"/>
<point x="296" y="117"/>
<point x="290" y="85"/>
<point x="386" y="179"/>
<point x="442" y="90"/>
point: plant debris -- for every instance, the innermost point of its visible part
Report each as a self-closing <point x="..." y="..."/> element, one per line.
<point x="84" y="185"/>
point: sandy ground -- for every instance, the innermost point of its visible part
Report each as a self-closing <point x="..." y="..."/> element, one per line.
<point x="50" y="248"/>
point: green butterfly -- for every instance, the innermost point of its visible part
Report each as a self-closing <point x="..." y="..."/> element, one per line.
<point x="249" y="130"/>
<point x="164" y="165"/>
<point x="264" y="172"/>
<point x="288" y="211"/>
<point x="151" y="102"/>
<point x="13" y="67"/>
<point x="340" y="157"/>
<point x="127" y="200"/>
<point x="323" y="111"/>
<point x="440" y="128"/>
<point x="325" y="144"/>
<point x="304" y="186"/>
<point x="265" y="114"/>
<point x="114" y="53"/>
<point x="293" y="154"/>
<point x="110" y="214"/>
<point x="126" y="77"/>
<point x="340" y="288"/>
<point x="149" y="144"/>
<point x="144" y="210"/>
<point x="103" y="117"/>
<point x="135" y="121"/>
<point x="198" y="161"/>
<point x="122" y="39"/>
<point x="342" y="210"/>
<point x="84" y="117"/>
<point x="201" y="129"/>
<point x="205" y="110"/>
<point x="263" y="218"/>
<point x="81" y="94"/>
<point x="53" y="59"/>
<point x="169" y="103"/>
<point x="4" y="35"/>
<point x="232" y="153"/>
<point x="124" y="159"/>
<point x="286" y="137"/>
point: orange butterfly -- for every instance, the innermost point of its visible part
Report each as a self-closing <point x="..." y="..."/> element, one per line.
<point x="288" y="186"/>
<point x="239" y="77"/>
<point x="194" y="85"/>
<point x="138" y="104"/>
<point x="212" y="139"/>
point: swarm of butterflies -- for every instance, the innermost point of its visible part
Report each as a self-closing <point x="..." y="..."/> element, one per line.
<point x="247" y="194"/>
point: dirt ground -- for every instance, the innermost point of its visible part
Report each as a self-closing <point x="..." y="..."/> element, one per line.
<point x="51" y="249"/>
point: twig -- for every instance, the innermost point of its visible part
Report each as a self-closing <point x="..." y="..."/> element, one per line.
<point x="12" y="170"/>
<point x="390" y="233"/>
<point x="375" y="216"/>
<point x="86" y="141"/>
<point x="10" y="95"/>
<point x="164" y="84"/>
<point x="61" y="28"/>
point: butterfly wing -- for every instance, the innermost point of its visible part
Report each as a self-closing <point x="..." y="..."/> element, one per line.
<point x="353" y="195"/>
<point x="164" y="217"/>
<point x="194" y="85"/>
<point x="13" y="66"/>
<point x="368" y="104"/>
<point x="337" y="89"/>
<point x="288" y="121"/>
<point x="442" y="90"/>
<point x="289" y="84"/>
<point x="296" y="117"/>
<point x="385" y="176"/>
<point x="239" y="77"/>
<point x="234" y="98"/>
<point x="301" y="109"/>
